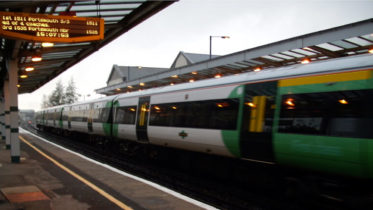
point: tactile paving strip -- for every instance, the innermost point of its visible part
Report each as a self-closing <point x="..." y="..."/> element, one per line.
<point x="23" y="194"/>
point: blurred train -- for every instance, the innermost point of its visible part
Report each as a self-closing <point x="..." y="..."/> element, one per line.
<point x="317" y="116"/>
<point x="27" y="118"/>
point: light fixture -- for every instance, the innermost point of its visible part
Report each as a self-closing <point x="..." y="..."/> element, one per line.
<point x="47" y="44"/>
<point x="139" y="67"/>
<point x="223" y="37"/>
<point x="129" y="86"/>
<point x="370" y="51"/>
<point x="343" y="101"/>
<point x="29" y="68"/>
<point x="18" y="85"/>
<point x="191" y="80"/>
<point x="257" y="69"/>
<point x="251" y="104"/>
<point x="142" y="84"/>
<point x="118" y="89"/>
<point x="290" y="102"/>
<point x="305" y="61"/>
<point x="194" y="72"/>
<point x="172" y="84"/>
<point x="23" y="76"/>
<point x="217" y="76"/>
<point x="36" y="58"/>
<point x="174" y="76"/>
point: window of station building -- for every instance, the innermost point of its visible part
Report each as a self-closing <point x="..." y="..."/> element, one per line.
<point x="211" y="114"/>
<point x="125" y="115"/>
<point x="341" y="113"/>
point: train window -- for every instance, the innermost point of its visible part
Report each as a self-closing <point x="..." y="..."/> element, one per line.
<point x="95" y="115"/>
<point x="340" y="113"/>
<point x="125" y="115"/>
<point x="212" y="114"/>
<point x="259" y="107"/>
<point x="104" y="114"/>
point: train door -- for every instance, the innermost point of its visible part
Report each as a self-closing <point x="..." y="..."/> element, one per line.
<point x="142" y="119"/>
<point x="258" y="113"/>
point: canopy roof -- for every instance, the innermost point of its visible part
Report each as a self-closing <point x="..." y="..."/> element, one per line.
<point x="119" y="16"/>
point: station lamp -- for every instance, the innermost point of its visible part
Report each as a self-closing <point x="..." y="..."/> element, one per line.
<point x="36" y="58"/>
<point x="142" y="84"/>
<point x="23" y="76"/>
<point x="29" y="68"/>
<point x="257" y="69"/>
<point x="217" y="76"/>
<point x="305" y="61"/>
<point x="223" y="37"/>
<point x="47" y="44"/>
<point x="370" y="51"/>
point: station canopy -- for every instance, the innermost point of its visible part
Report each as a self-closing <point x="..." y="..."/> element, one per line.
<point x="347" y="40"/>
<point x="119" y="17"/>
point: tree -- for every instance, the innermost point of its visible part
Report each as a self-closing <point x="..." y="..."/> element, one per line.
<point x="57" y="97"/>
<point x="45" y="102"/>
<point x="71" y="96"/>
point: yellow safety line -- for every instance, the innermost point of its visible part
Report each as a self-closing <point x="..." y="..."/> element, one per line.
<point x="72" y="173"/>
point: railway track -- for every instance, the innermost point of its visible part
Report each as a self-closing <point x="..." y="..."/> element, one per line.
<point x="220" y="182"/>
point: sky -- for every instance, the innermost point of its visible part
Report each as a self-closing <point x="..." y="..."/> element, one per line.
<point x="186" y="26"/>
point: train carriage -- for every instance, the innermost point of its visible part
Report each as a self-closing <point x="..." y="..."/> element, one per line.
<point x="316" y="116"/>
<point x="124" y="122"/>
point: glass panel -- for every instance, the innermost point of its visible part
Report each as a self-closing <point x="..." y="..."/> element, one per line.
<point x="283" y="56"/>
<point x="293" y="54"/>
<point x="369" y="36"/>
<point x="343" y="44"/>
<point x="341" y="113"/>
<point x="125" y="115"/>
<point x="329" y="47"/>
<point x="211" y="114"/>
<point x="359" y="41"/>
<point x="272" y="58"/>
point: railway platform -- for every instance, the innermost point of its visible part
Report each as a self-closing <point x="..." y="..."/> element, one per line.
<point x="51" y="177"/>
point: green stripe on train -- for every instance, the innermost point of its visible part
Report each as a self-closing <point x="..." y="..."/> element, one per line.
<point x="115" y="126"/>
<point x="231" y="138"/>
<point x="106" y="125"/>
<point x="347" y="156"/>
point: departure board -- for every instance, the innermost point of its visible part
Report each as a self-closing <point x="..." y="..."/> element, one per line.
<point x="50" y="28"/>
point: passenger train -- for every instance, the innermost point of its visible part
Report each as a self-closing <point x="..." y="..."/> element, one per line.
<point x="315" y="116"/>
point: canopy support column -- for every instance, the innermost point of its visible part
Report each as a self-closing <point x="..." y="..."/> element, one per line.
<point x="14" y="132"/>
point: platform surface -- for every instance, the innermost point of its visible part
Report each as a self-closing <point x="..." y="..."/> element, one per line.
<point x="66" y="180"/>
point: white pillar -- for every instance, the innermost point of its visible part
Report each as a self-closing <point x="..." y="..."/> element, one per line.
<point x="7" y="114"/>
<point x="13" y="90"/>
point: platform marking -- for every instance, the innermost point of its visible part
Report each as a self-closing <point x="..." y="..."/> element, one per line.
<point x="72" y="173"/>
<point x="155" y="185"/>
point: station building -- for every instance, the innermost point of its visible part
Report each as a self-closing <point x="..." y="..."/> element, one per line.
<point x="120" y="76"/>
<point x="348" y="40"/>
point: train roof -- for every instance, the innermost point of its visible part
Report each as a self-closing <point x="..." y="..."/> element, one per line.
<point x="357" y="62"/>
